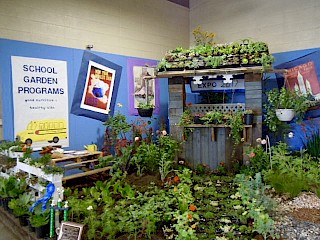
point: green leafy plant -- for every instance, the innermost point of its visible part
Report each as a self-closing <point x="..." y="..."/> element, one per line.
<point x="39" y="218"/>
<point x="45" y="163"/>
<point x="267" y="60"/>
<point x="105" y="161"/>
<point x="259" y="160"/>
<point x="213" y="117"/>
<point x="235" y="121"/>
<point x="185" y="120"/>
<point x="53" y="169"/>
<point x="312" y="144"/>
<point x="145" y="105"/>
<point x="117" y="128"/>
<point x="21" y="205"/>
<point x="252" y="192"/>
<point x="292" y="174"/>
<point x="11" y="187"/>
<point x="248" y="111"/>
<point x="14" y="145"/>
<point x="146" y="158"/>
<point x="118" y="125"/>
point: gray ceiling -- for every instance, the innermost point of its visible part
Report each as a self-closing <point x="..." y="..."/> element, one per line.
<point x="184" y="3"/>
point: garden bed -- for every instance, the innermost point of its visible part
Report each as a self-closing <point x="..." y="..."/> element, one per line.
<point x="216" y="207"/>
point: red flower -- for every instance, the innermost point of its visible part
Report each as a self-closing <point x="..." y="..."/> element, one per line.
<point x="192" y="207"/>
<point x="190" y="216"/>
<point x="176" y="179"/>
<point x="252" y="155"/>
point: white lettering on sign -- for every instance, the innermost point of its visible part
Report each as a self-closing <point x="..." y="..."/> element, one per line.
<point x="209" y="84"/>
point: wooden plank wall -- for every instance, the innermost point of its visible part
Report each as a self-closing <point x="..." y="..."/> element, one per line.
<point x="253" y="100"/>
<point x="204" y="147"/>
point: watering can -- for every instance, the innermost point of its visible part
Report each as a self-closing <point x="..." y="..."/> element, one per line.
<point x="91" y="147"/>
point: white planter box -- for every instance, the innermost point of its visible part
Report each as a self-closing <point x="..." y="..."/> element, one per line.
<point x="12" y="154"/>
<point x="15" y="154"/>
<point x="56" y="179"/>
<point x="5" y="153"/>
<point x="38" y="172"/>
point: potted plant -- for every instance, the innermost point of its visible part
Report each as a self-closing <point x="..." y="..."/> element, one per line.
<point x="11" y="188"/>
<point x="145" y="109"/>
<point x="248" y="117"/>
<point x="213" y="117"/>
<point x="20" y="207"/>
<point x="283" y="105"/>
<point x="7" y="147"/>
<point x="40" y="221"/>
<point x="197" y="118"/>
<point x="186" y="118"/>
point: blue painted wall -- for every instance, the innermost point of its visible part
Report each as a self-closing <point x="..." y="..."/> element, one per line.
<point x="82" y="130"/>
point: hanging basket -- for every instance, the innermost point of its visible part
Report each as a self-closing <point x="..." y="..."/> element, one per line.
<point x="145" y="112"/>
<point x="285" y="115"/>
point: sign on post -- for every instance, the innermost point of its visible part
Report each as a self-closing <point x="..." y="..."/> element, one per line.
<point x="70" y="231"/>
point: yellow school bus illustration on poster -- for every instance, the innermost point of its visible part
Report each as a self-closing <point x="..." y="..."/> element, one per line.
<point x="49" y="130"/>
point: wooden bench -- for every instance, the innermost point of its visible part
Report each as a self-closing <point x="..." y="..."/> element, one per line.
<point x="80" y="161"/>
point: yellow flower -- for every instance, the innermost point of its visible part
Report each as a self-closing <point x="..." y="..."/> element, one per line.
<point x="119" y="105"/>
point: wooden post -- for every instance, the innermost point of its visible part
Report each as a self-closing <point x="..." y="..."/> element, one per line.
<point x="253" y="100"/>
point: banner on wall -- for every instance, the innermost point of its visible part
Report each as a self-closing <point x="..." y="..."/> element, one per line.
<point x="96" y="88"/>
<point x="40" y="101"/>
<point x="302" y="74"/>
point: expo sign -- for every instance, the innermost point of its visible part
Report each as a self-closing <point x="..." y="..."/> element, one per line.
<point x="217" y="83"/>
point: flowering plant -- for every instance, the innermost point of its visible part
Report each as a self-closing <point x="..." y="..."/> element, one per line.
<point x="259" y="157"/>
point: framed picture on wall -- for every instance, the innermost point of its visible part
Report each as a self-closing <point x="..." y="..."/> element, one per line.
<point x="140" y="88"/>
<point x="143" y="88"/>
<point x="97" y="87"/>
<point x="303" y="74"/>
<point x="303" y="78"/>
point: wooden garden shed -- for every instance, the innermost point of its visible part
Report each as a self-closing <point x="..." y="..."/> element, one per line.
<point x="211" y="144"/>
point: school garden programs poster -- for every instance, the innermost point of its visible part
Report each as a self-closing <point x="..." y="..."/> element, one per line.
<point x="40" y="100"/>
